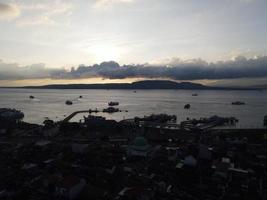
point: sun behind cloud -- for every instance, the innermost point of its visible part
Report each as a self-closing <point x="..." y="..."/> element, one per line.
<point x="105" y="53"/>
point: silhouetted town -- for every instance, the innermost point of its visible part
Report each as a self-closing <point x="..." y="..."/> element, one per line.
<point x="138" y="159"/>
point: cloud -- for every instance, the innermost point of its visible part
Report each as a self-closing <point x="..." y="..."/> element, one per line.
<point x="54" y="7"/>
<point x="40" y="20"/>
<point x="177" y="69"/>
<point x="44" y="13"/>
<point x="108" y="3"/>
<point x="8" y="11"/>
<point x="12" y="71"/>
<point x="247" y="1"/>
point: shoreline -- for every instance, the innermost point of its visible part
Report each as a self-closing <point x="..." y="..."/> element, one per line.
<point x="140" y="85"/>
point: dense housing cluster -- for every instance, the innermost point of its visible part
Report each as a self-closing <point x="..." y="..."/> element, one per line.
<point x="105" y="159"/>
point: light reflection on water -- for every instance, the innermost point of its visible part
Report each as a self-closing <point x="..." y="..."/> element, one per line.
<point x="51" y="103"/>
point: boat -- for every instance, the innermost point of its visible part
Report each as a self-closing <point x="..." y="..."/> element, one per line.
<point x="68" y="102"/>
<point x="113" y="103"/>
<point x="80" y="97"/>
<point x="238" y="103"/>
<point x="187" y="106"/>
<point x="31" y="97"/>
<point x="195" y="94"/>
<point x="8" y="115"/>
<point x="111" y="110"/>
<point x="93" y="111"/>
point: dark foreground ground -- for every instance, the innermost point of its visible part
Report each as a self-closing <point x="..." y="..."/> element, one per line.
<point x="111" y="160"/>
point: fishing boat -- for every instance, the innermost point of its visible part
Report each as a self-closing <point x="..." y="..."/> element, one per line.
<point x="187" y="106"/>
<point x="68" y="102"/>
<point x="113" y="103"/>
<point x="111" y="110"/>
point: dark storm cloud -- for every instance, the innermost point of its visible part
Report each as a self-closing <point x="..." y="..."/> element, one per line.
<point x="177" y="69"/>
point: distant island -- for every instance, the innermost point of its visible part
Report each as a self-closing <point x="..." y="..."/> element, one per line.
<point x="146" y="84"/>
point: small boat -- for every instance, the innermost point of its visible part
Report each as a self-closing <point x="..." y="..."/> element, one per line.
<point x="68" y="102"/>
<point x="31" y="97"/>
<point x="93" y="111"/>
<point x="135" y="91"/>
<point x="195" y="94"/>
<point x="113" y="103"/>
<point x="111" y="110"/>
<point x="238" y="103"/>
<point x="187" y="106"/>
<point x="80" y="97"/>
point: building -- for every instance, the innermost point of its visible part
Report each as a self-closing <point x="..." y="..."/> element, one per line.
<point x="139" y="148"/>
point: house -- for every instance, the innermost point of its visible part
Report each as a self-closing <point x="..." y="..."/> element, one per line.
<point x="68" y="187"/>
<point x="190" y="161"/>
<point x="139" y="148"/>
<point x="93" y="192"/>
<point x="221" y="167"/>
<point x="79" y="148"/>
<point x="204" y="152"/>
<point x="136" y="193"/>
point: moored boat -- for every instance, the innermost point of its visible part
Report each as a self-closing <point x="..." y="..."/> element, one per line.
<point x="68" y="102"/>
<point x="113" y="103"/>
<point x="187" y="106"/>
<point x="111" y="110"/>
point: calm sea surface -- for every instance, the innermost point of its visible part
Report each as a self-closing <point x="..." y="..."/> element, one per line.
<point x="51" y="103"/>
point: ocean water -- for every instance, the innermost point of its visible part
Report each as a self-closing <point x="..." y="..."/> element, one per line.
<point x="51" y="103"/>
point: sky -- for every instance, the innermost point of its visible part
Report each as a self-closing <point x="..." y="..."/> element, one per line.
<point x="40" y="36"/>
